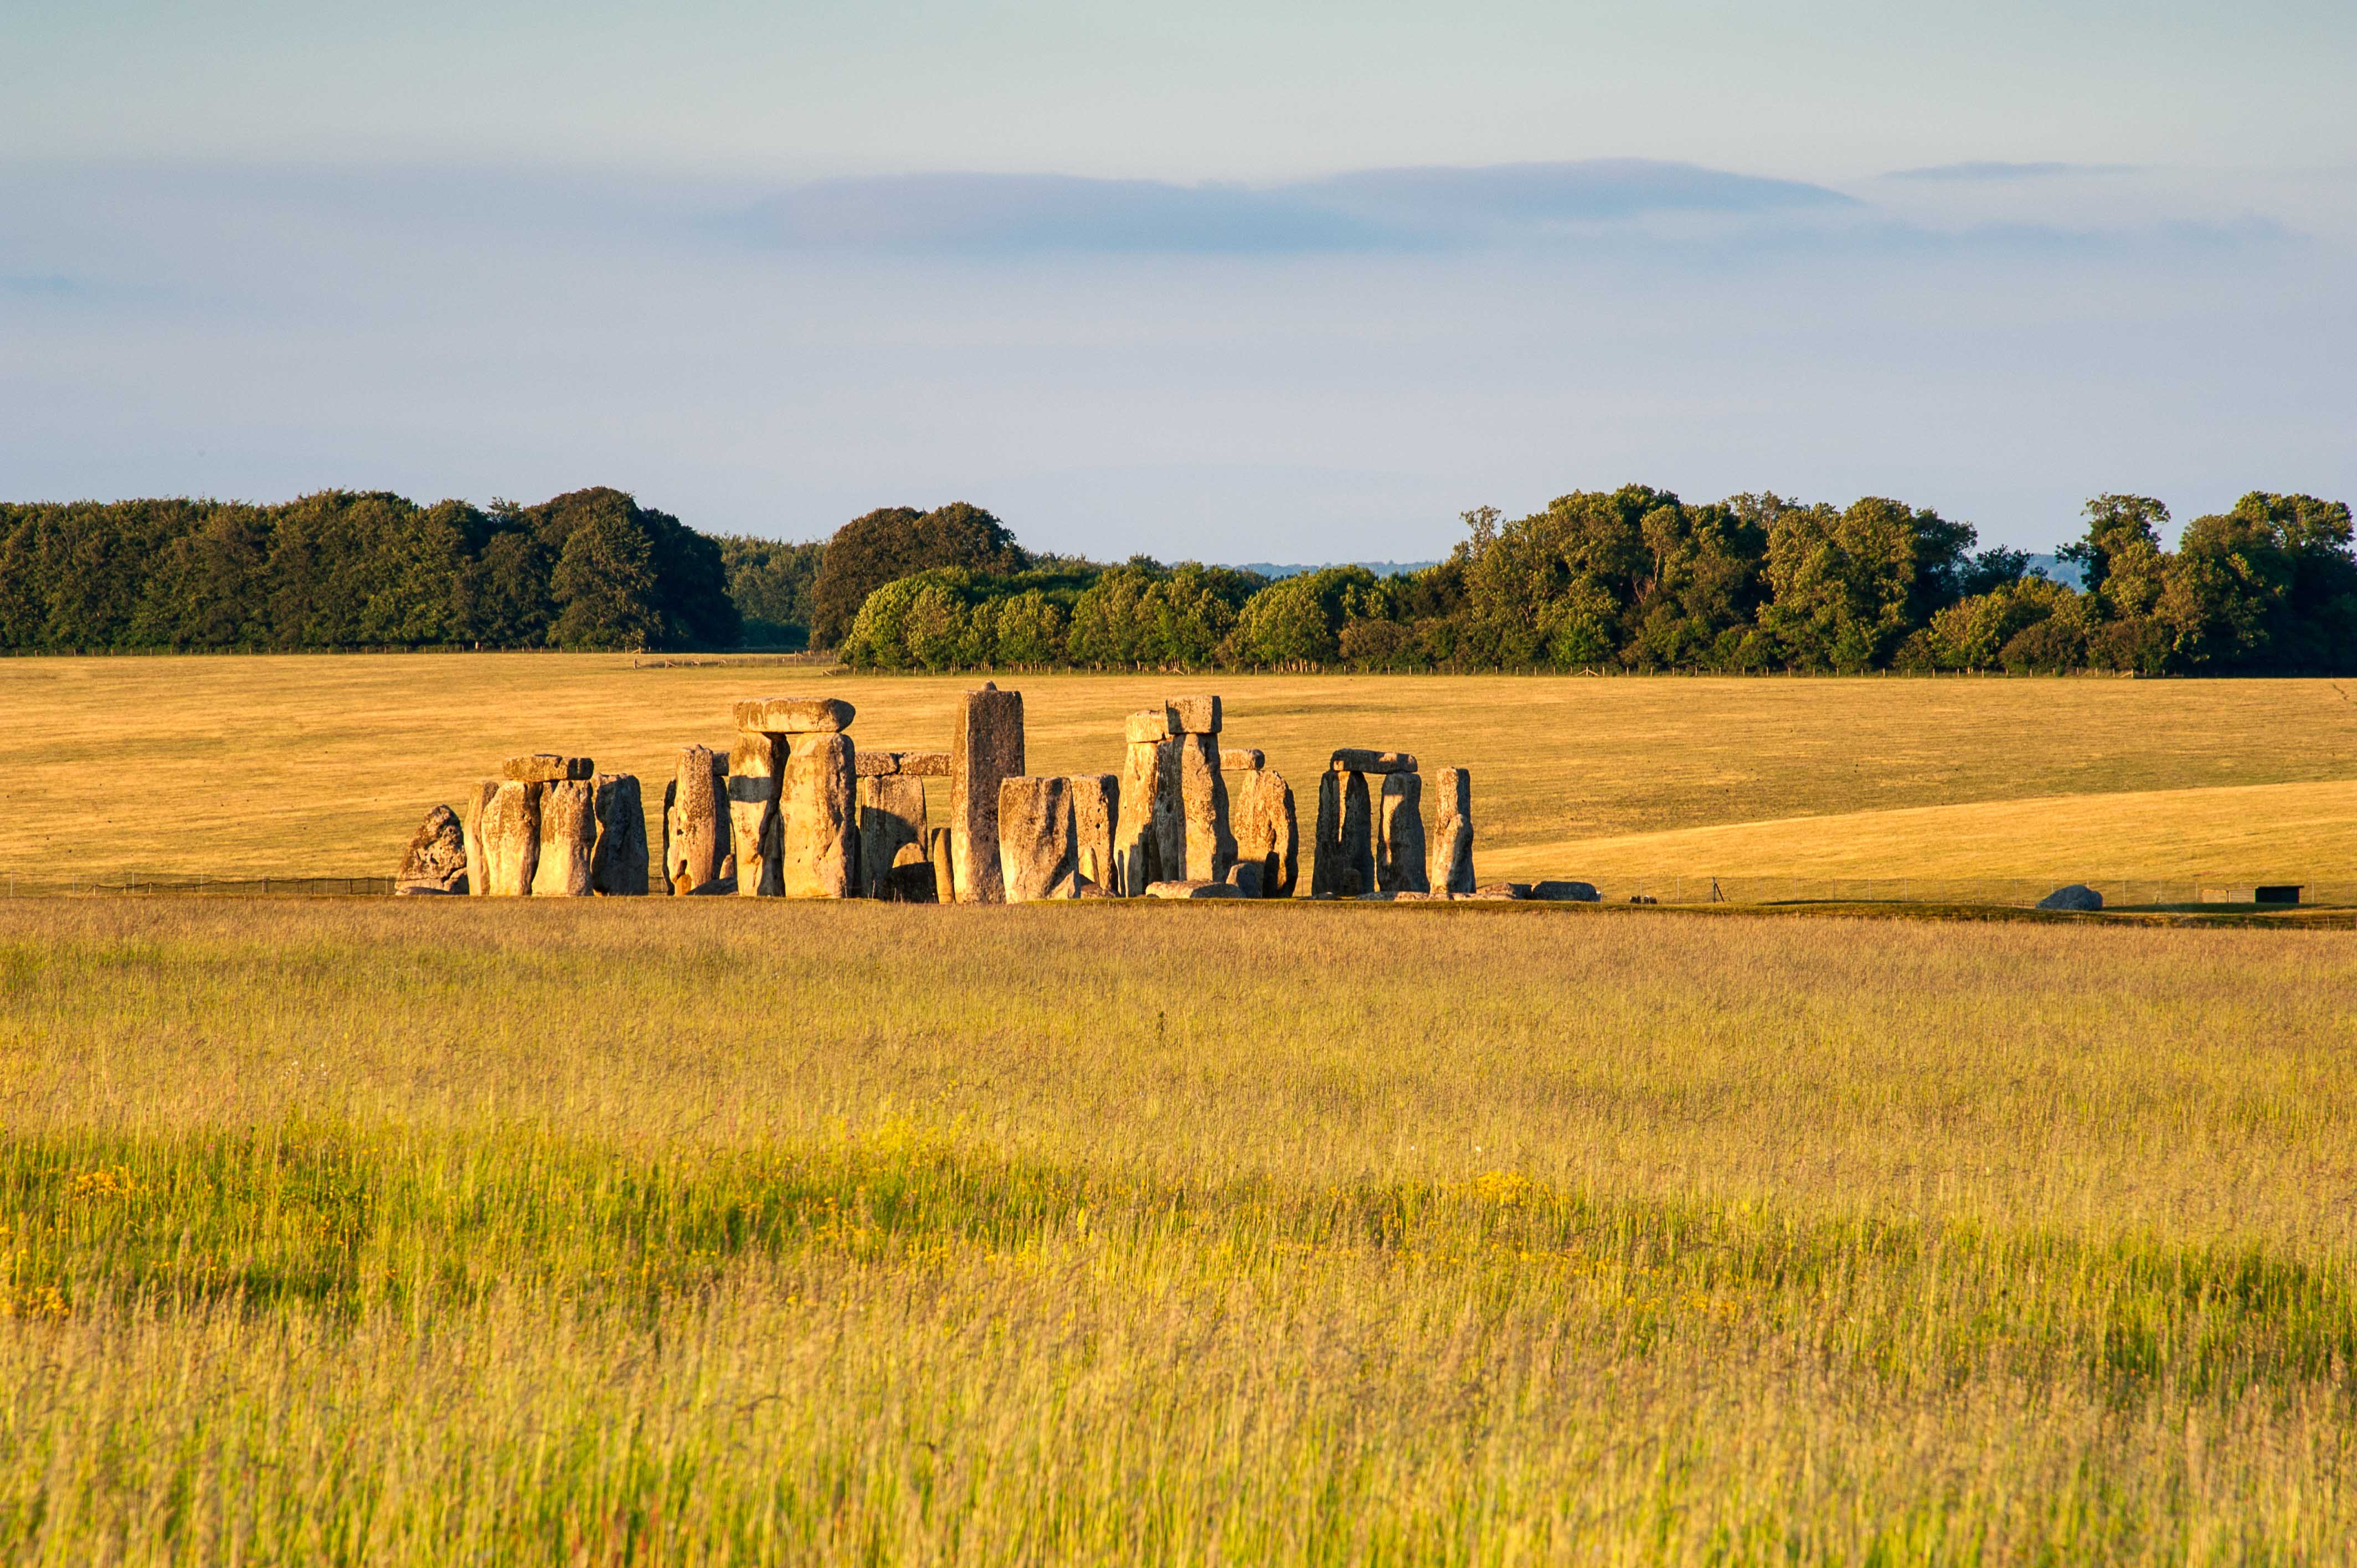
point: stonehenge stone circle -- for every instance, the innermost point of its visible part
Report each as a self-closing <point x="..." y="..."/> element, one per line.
<point x="756" y="764"/>
<point x="1448" y="853"/>
<point x="435" y="861"/>
<point x="617" y="867"/>
<point x="891" y="822"/>
<point x="568" y="837"/>
<point x="697" y="853"/>
<point x="819" y="816"/>
<point x="1036" y="854"/>
<point x="1399" y="835"/>
<point x="987" y="747"/>
<point x="1096" y="809"/>
<point x="510" y="833"/>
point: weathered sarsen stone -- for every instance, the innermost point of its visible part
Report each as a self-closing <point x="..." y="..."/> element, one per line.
<point x="937" y="850"/>
<point x="1096" y="809"/>
<point x="1448" y="853"/>
<point x="987" y="748"/>
<point x="478" y="880"/>
<point x="1345" y="864"/>
<point x="435" y="861"/>
<point x="617" y="867"/>
<point x="1138" y="829"/>
<point x="928" y="764"/>
<point x="1357" y="760"/>
<point x="1037" y="856"/>
<point x="1399" y="835"/>
<point x="876" y="764"/>
<point x="1209" y="845"/>
<point x="1261" y="812"/>
<point x="697" y="851"/>
<point x="794" y="715"/>
<point x="911" y="880"/>
<point x="891" y="818"/>
<point x="1194" y="715"/>
<point x="1183" y="889"/>
<point x="545" y="768"/>
<point x="822" y="816"/>
<point x="1242" y="759"/>
<point x="756" y="764"/>
<point x="510" y="833"/>
<point x="568" y="836"/>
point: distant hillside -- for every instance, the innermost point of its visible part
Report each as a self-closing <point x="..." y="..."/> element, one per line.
<point x="1380" y="568"/>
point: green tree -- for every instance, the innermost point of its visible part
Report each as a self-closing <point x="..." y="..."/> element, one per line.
<point x="877" y="547"/>
<point x="1849" y="586"/>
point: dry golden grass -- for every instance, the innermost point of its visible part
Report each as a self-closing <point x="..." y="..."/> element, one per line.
<point x="702" y="1232"/>
<point x="323" y="765"/>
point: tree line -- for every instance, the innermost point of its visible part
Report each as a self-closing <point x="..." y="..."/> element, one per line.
<point x="1630" y="579"/>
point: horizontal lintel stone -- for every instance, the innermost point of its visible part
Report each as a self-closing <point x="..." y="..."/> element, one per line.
<point x="794" y="715"/>
<point x="1357" y="760"/>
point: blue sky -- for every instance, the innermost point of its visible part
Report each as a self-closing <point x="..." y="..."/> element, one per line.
<point x="1238" y="282"/>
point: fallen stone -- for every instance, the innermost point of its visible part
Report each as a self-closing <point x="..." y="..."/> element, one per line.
<point x="1399" y="835"/>
<point x="435" y="861"/>
<point x="1193" y="890"/>
<point x="1138" y="827"/>
<point x="1268" y="833"/>
<point x="1449" y="855"/>
<point x="1245" y="877"/>
<point x="1562" y="892"/>
<point x="819" y="810"/>
<point x="1242" y="759"/>
<point x="697" y="833"/>
<point x="510" y="839"/>
<point x="891" y="823"/>
<point x="1210" y="846"/>
<point x="879" y="764"/>
<point x="618" y="866"/>
<point x="1353" y="759"/>
<point x="987" y="749"/>
<point x="545" y="768"/>
<point x="1037" y="856"/>
<point x="1502" y="890"/>
<point x="756" y="766"/>
<point x="1096" y="809"/>
<point x="426" y="890"/>
<point x="1345" y="862"/>
<point x="478" y="861"/>
<point x="794" y="715"/>
<point x="568" y="837"/>
<point x="2078" y="896"/>
<point x="1148" y="725"/>
<point x="1194" y="715"/>
<point x="927" y="763"/>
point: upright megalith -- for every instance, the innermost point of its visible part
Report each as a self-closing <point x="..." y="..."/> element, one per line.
<point x="937" y="856"/>
<point x="1038" y="858"/>
<point x="1345" y="866"/>
<point x="568" y="838"/>
<point x="756" y="766"/>
<point x="1205" y="846"/>
<point x="1268" y="834"/>
<point x="1148" y="812"/>
<point x="1097" y="811"/>
<point x="697" y="831"/>
<point x="1448" y="853"/>
<point x="509" y="835"/>
<point x="435" y="861"/>
<point x="986" y="749"/>
<point x="819" y="807"/>
<point x="891" y="819"/>
<point x="617" y="867"/>
<point x="911" y="880"/>
<point x="1399" y="835"/>
<point x="478" y="881"/>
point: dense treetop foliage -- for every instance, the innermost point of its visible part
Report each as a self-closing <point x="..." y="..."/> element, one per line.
<point x="1630" y="579"/>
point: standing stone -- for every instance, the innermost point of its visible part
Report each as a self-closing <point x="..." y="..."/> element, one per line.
<point x="568" y="837"/>
<point x="617" y="867"/>
<point x="937" y="852"/>
<point x="1399" y="835"/>
<point x="987" y="748"/>
<point x="1245" y="877"/>
<point x="910" y="879"/>
<point x="697" y="851"/>
<point x="891" y="818"/>
<point x="478" y="881"/>
<point x="510" y="833"/>
<point x="1096" y="809"/>
<point x="1448" y="861"/>
<point x="822" y="816"/>
<point x="1037" y="856"/>
<point x="755" y="764"/>
<point x="1260" y="807"/>
<point x="1209" y="845"/>
<point x="1137" y="838"/>
<point x="435" y="861"/>
<point x="1345" y="866"/>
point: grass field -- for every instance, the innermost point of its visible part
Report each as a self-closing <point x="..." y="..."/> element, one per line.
<point x="687" y="1231"/>
<point x="324" y="764"/>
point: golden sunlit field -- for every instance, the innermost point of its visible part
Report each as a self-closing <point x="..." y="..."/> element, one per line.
<point x="710" y="1231"/>
<point x="323" y="765"/>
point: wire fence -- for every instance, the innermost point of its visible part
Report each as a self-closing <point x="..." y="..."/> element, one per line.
<point x="199" y="887"/>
